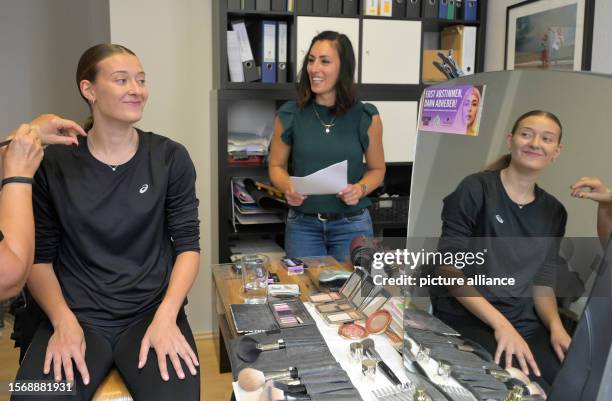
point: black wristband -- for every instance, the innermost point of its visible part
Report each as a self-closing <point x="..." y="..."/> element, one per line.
<point x="18" y="179"/>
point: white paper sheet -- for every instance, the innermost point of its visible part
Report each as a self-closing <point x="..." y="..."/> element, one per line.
<point x="327" y="181"/>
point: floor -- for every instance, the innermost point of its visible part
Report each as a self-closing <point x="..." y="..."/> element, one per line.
<point x="214" y="386"/>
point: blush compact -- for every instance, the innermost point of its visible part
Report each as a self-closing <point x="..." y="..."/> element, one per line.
<point x="352" y="331"/>
<point x="378" y="322"/>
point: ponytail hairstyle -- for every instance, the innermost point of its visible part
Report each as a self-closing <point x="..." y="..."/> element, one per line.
<point x="87" y="69"/>
<point x="504" y="161"/>
<point x="345" y="86"/>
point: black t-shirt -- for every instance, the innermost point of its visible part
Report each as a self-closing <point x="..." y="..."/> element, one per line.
<point x="113" y="236"/>
<point x="520" y="242"/>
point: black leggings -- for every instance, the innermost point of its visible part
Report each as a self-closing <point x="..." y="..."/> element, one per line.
<point x="539" y="343"/>
<point x="119" y="348"/>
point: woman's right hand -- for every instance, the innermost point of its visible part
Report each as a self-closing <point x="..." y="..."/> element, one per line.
<point x="293" y="198"/>
<point x="591" y="188"/>
<point x="66" y="344"/>
<point x="24" y="154"/>
<point x="510" y="342"/>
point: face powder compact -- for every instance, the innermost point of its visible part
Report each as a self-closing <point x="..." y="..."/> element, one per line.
<point x="378" y="321"/>
<point x="352" y="331"/>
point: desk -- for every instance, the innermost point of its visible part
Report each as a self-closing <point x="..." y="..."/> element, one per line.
<point x="227" y="290"/>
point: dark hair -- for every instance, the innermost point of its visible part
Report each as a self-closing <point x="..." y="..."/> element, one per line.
<point x="87" y="69"/>
<point x="345" y="86"/>
<point x="504" y="161"/>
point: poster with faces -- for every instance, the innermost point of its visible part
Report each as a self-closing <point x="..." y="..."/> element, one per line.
<point x="452" y="109"/>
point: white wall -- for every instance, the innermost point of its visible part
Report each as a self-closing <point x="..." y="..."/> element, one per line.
<point x="40" y="44"/>
<point x="601" y="60"/>
<point x="496" y="35"/>
<point x="173" y="39"/>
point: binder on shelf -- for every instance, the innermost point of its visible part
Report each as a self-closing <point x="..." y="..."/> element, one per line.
<point x="290" y="4"/>
<point x="303" y="6"/>
<point x="279" y="5"/>
<point x="470" y="10"/>
<point x="462" y="39"/>
<point x="268" y="51"/>
<point x="370" y="7"/>
<point x="247" y="5"/>
<point x="262" y="5"/>
<point x="451" y="10"/>
<point x="459" y="9"/>
<point x="413" y="8"/>
<point x="233" y="5"/>
<point x="319" y="7"/>
<point x="399" y="8"/>
<point x="384" y="8"/>
<point x="350" y="7"/>
<point x="233" y="57"/>
<point x="429" y="9"/>
<point x="246" y="55"/>
<point x="334" y="7"/>
<point x="443" y="9"/>
<point x="281" y="56"/>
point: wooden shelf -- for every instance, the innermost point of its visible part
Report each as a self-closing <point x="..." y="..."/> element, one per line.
<point x="258" y="229"/>
<point x="235" y="14"/>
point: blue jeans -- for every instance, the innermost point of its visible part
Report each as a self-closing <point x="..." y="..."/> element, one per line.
<point x="310" y="236"/>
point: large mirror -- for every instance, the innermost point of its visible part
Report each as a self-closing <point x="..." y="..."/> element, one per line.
<point x="581" y="102"/>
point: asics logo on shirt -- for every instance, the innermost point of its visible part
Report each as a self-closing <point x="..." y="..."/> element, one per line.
<point x="144" y="188"/>
<point x="498" y="217"/>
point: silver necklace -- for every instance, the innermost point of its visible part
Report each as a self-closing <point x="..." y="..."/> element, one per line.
<point x="91" y="150"/>
<point x="520" y="205"/>
<point x="326" y="126"/>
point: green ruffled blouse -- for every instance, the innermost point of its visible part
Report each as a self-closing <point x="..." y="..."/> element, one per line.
<point x="313" y="149"/>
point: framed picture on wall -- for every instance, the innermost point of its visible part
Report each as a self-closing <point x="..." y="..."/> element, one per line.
<point x="549" y="34"/>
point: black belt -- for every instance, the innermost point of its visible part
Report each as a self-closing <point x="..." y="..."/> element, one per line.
<point x="333" y="216"/>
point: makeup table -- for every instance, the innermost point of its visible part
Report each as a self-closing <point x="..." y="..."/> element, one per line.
<point x="227" y="290"/>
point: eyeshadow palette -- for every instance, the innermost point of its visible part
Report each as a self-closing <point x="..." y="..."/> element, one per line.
<point x="375" y="301"/>
<point x="343" y="317"/>
<point x="357" y="299"/>
<point x="340" y="306"/>
<point x="323" y="297"/>
<point x="290" y="313"/>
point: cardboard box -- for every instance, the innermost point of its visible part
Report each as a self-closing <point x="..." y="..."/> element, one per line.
<point x="430" y="72"/>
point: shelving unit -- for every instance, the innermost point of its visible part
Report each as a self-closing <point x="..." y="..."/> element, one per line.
<point x="386" y="39"/>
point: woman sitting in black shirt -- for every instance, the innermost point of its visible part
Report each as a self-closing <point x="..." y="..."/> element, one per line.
<point x="504" y="201"/>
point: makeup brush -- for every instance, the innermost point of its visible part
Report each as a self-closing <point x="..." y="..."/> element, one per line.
<point x="250" y="379"/>
<point x="249" y="348"/>
<point x="370" y="351"/>
<point x="338" y="376"/>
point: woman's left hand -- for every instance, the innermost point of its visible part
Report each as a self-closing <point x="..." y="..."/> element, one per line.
<point x="56" y="130"/>
<point x="560" y="341"/>
<point x="351" y="194"/>
<point x="165" y="337"/>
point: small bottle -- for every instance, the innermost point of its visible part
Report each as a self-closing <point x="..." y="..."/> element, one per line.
<point x="420" y="394"/>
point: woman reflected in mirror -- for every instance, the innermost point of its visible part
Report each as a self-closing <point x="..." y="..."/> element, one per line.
<point x="504" y="201"/>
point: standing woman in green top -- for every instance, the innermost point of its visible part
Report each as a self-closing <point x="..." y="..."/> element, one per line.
<point x="327" y="125"/>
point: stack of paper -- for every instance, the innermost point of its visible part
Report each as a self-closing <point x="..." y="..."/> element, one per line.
<point x="246" y="210"/>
